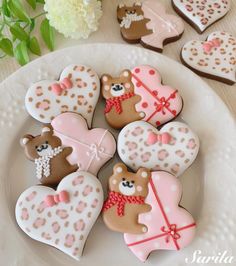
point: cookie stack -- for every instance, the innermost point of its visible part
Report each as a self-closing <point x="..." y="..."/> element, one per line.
<point x="62" y="207"/>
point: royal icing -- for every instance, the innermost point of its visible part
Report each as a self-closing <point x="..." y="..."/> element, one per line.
<point x="91" y="148"/>
<point x="202" y="13"/>
<point x="170" y="227"/>
<point x="137" y="148"/>
<point x="77" y="91"/>
<point x="61" y="218"/>
<point x="160" y="103"/>
<point x="126" y="196"/>
<point x="215" y="57"/>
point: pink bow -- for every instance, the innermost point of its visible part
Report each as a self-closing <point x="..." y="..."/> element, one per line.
<point x="52" y="200"/>
<point x="171" y="232"/>
<point x="59" y="87"/>
<point x="207" y="46"/>
<point x="153" y="138"/>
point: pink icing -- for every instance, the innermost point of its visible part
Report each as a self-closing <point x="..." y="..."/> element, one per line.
<point x="59" y="87"/>
<point x="164" y="25"/>
<point x="153" y="138"/>
<point x="170" y="227"/>
<point x="208" y="46"/>
<point x="164" y="102"/>
<point x="91" y="148"/>
<point x="52" y="200"/>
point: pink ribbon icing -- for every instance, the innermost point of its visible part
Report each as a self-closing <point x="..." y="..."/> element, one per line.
<point x="208" y="46"/>
<point x="59" y="87"/>
<point x="153" y="138"/>
<point x="51" y="200"/>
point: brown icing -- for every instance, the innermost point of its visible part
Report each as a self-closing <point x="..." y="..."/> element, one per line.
<point x="42" y="145"/>
<point x="130" y="189"/>
<point x="120" y="100"/>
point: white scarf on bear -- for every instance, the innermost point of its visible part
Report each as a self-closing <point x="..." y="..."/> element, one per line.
<point x="43" y="163"/>
<point x="128" y="19"/>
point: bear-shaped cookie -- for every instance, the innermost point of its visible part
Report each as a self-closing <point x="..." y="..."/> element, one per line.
<point x="126" y="200"/>
<point x="120" y="99"/>
<point x="49" y="156"/>
<point x="132" y="22"/>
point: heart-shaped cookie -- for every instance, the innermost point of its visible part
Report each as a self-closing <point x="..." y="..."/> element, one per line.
<point x="77" y="91"/>
<point x="165" y="27"/>
<point x="160" y="103"/>
<point x="215" y="58"/>
<point x="170" y="227"/>
<point x="91" y="148"/>
<point x="172" y="149"/>
<point x="201" y="14"/>
<point x="62" y="218"/>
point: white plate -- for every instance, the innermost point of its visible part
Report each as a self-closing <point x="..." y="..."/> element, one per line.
<point x="209" y="186"/>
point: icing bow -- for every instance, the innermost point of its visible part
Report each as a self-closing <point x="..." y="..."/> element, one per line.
<point x="52" y="200"/>
<point x="171" y="232"/>
<point x="96" y="151"/>
<point x="59" y="87"/>
<point x="153" y="138"/>
<point x="115" y="198"/>
<point x="208" y="46"/>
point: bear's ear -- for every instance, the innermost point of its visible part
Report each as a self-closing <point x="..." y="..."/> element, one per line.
<point x="144" y="174"/>
<point x="105" y="79"/>
<point x="126" y="74"/>
<point x="47" y="130"/>
<point x="119" y="168"/>
<point x="137" y="4"/>
<point x="26" y="139"/>
<point x="121" y="5"/>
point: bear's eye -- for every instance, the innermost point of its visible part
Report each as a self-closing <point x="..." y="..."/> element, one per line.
<point x="122" y="83"/>
<point x="123" y="179"/>
<point x="126" y="10"/>
<point x="112" y="84"/>
<point x="134" y="10"/>
<point x="46" y="142"/>
<point x="36" y="147"/>
<point x="132" y="181"/>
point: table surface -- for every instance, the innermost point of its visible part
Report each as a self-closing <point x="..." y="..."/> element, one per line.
<point x="109" y="32"/>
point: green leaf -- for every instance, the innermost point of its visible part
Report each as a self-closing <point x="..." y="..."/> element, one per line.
<point x="5" y="9"/>
<point x="47" y="34"/>
<point x="40" y="1"/>
<point x="34" y="46"/>
<point x="18" y="11"/>
<point x="18" y="32"/>
<point x="32" y="24"/>
<point x="32" y="3"/>
<point x="21" y="53"/>
<point x="6" y="46"/>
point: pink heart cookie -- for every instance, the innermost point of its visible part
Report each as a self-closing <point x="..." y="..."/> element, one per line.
<point x="77" y="91"/>
<point x="160" y="103"/>
<point x="215" y="58"/>
<point x="173" y="149"/>
<point x="165" y="28"/>
<point x="170" y="227"/>
<point x="56" y="218"/>
<point x="203" y="13"/>
<point x="91" y="148"/>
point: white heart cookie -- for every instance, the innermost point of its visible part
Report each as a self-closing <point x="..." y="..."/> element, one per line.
<point x="77" y="91"/>
<point x="173" y="149"/>
<point x="203" y="13"/>
<point x="62" y="218"/>
<point x="214" y="58"/>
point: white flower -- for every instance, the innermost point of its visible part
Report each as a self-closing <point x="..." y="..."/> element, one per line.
<point x="74" y="18"/>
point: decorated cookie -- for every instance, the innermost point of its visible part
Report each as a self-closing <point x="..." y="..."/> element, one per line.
<point x="214" y="58"/>
<point x="126" y="200"/>
<point x="149" y="24"/>
<point x="77" y="91"/>
<point x="49" y="156"/>
<point x="172" y="149"/>
<point x="201" y="14"/>
<point x="91" y="148"/>
<point x="61" y="218"/>
<point x="170" y="227"/>
<point x="140" y="95"/>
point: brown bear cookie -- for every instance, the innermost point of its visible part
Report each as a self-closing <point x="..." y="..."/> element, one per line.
<point x="49" y="156"/>
<point x="126" y="200"/>
<point x="132" y="22"/>
<point x="120" y="100"/>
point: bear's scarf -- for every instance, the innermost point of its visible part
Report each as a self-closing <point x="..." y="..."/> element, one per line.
<point x="116" y="102"/>
<point x="129" y="18"/>
<point x="43" y="163"/>
<point x="115" y="198"/>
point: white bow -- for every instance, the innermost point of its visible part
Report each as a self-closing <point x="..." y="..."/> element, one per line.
<point x="95" y="151"/>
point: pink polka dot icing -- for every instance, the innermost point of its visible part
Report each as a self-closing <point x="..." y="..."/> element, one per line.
<point x="160" y="103"/>
<point x="170" y="227"/>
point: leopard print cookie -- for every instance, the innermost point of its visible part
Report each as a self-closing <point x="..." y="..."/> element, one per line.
<point x="77" y="91"/>
<point x="214" y="58"/>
